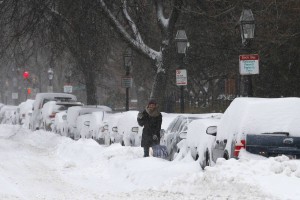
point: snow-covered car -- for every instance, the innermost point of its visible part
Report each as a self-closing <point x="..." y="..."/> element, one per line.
<point x="167" y="118"/>
<point x="40" y="100"/>
<point x="112" y="125"/>
<point x="25" y="112"/>
<point x="268" y="127"/>
<point x="177" y="126"/>
<point x="98" y="128"/>
<point x="198" y="142"/>
<point x="74" y="112"/>
<point x="129" y="128"/>
<point x="50" y="109"/>
<point x="8" y="114"/>
<point x="60" y="123"/>
<point x="82" y="126"/>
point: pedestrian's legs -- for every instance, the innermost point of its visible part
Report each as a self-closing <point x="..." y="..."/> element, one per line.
<point x="146" y="151"/>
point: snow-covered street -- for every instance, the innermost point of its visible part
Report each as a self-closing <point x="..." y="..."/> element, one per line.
<point x="43" y="165"/>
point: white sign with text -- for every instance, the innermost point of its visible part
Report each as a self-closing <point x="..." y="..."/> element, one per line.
<point x="181" y="77"/>
<point x="249" y="64"/>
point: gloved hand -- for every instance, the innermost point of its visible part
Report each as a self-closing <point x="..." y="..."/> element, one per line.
<point x="140" y="115"/>
<point x="155" y="137"/>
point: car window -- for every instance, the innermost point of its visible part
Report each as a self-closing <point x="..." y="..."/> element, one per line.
<point x="171" y="125"/>
<point x="45" y="101"/>
<point x="177" y="125"/>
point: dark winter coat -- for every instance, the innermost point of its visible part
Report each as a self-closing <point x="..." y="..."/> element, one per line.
<point x="152" y="125"/>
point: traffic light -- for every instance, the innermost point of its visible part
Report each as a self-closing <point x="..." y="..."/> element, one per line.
<point x="26" y="75"/>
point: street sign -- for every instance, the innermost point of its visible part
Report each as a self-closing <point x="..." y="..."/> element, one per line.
<point x="181" y="77"/>
<point x="68" y="88"/>
<point x="249" y="64"/>
<point x="126" y="82"/>
<point x="14" y="95"/>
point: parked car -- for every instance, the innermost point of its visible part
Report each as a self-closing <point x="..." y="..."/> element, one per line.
<point x="60" y="123"/>
<point x="50" y="109"/>
<point x="98" y="128"/>
<point x="112" y="125"/>
<point x="40" y="100"/>
<point x="8" y="114"/>
<point x="167" y="120"/>
<point x="129" y="128"/>
<point x="268" y="127"/>
<point x="24" y="111"/>
<point x="198" y="142"/>
<point x="82" y="126"/>
<point x="180" y="124"/>
<point x="74" y="112"/>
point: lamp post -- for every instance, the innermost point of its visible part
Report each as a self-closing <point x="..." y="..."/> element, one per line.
<point x="50" y="77"/>
<point x="247" y="26"/>
<point x="182" y="45"/>
<point x="68" y="88"/>
<point x="127" y="80"/>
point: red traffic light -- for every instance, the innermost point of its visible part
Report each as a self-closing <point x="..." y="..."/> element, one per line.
<point x="26" y="75"/>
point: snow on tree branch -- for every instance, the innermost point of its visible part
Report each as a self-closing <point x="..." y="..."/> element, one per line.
<point x="136" y="43"/>
<point x="162" y="21"/>
<point x="132" y="24"/>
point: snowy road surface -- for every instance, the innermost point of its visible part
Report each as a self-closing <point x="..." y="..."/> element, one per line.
<point x="43" y="165"/>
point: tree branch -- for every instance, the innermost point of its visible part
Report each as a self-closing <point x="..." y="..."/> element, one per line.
<point x="141" y="47"/>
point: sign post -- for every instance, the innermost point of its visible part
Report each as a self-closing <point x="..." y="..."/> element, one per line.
<point x="181" y="80"/>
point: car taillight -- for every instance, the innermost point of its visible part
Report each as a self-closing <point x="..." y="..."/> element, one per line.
<point x="238" y="146"/>
<point x="52" y="115"/>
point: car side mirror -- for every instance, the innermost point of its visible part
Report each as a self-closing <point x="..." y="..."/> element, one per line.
<point x="135" y="129"/>
<point x="104" y="128"/>
<point x="114" y="129"/>
<point x="87" y="123"/>
<point x="211" y="130"/>
<point x="182" y="135"/>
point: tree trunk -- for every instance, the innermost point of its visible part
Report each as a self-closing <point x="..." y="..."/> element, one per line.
<point x="161" y="79"/>
<point x="91" y="89"/>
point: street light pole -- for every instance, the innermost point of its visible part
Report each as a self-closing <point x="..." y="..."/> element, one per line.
<point x="182" y="45"/>
<point x="128" y="59"/>
<point x="50" y="77"/>
<point x="247" y="26"/>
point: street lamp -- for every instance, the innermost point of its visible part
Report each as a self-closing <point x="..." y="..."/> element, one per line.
<point x="127" y="80"/>
<point x="247" y="26"/>
<point x="50" y="77"/>
<point x="182" y="45"/>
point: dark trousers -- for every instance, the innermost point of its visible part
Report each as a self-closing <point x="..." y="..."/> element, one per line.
<point x="146" y="151"/>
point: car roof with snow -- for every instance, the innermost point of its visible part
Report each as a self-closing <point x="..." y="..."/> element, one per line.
<point x="260" y="115"/>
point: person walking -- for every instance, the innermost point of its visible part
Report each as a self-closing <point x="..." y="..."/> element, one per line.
<point x="151" y="119"/>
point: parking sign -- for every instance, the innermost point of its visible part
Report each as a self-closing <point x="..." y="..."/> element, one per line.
<point x="181" y="77"/>
<point x="249" y="64"/>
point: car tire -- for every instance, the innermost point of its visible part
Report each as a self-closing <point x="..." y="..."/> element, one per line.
<point x="226" y="156"/>
<point x="172" y="154"/>
<point x="206" y="161"/>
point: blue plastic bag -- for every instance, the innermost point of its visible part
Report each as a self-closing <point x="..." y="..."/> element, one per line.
<point x="160" y="151"/>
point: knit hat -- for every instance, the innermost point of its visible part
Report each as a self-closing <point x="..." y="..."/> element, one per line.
<point x="152" y="101"/>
